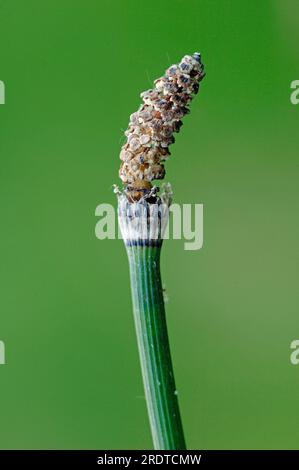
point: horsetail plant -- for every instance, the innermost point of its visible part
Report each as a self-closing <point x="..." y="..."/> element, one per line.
<point x="143" y="217"/>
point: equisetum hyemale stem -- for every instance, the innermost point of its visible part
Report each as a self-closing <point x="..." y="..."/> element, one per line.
<point x="143" y="217"/>
<point x="152" y="337"/>
<point x="142" y="225"/>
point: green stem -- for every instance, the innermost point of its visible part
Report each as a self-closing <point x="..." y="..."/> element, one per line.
<point x="153" y="344"/>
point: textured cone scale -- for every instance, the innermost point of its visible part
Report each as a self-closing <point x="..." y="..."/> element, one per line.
<point x="151" y="128"/>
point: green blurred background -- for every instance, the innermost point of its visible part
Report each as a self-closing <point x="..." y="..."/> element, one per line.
<point x="73" y="72"/>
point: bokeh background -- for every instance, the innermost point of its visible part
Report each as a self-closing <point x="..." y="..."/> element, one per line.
<point x="73" y="72"/>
